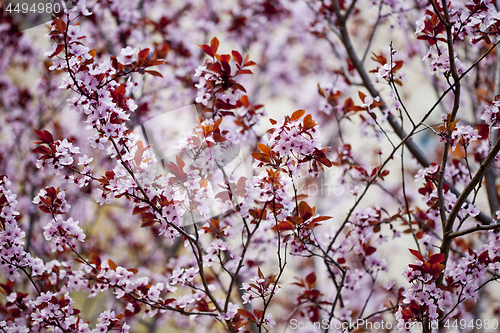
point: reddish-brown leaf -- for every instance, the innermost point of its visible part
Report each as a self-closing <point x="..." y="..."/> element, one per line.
<point x="321" y="218"/>
<point x="148" y="223"/>
<point x="142" y="55"/>
<point x="247" y="314"/>
<point x="155" y="73"/>
<point x="214" y="44"/>
<point x="265" y="149"/>
<point x="283" y="226"/>
<point x="436" y="258"/>
<point x="369" y="250"/>
<point x="311" y="280"/>
<point x="207" y="49"/>
<point x="112" y="265"/>
<point x="261" y="275"/>
<point x="261" y="157"/>
<point x="298" y="114"/>
<point x="44" y="136"/>
<point x="305" y="210"/>
<point x="58" y="50"/>
<point x="244" y="71"/>
<point x="237" y="56"/>
<point x="361" y="96"/>
<point x="417" y="254"/>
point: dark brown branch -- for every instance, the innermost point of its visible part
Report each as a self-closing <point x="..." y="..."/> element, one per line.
<point x="490" y="182"/>
<point x="448" y="228"/>
<point x="456" y="101"/>
<point x="491" y="177"/>
<point x="474" y="229"/>
<point x="372" y="35"/>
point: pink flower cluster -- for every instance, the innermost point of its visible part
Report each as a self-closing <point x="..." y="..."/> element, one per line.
<point x="293" y="145"/>
<point x="424" y="299"/>
<point x="490" y="113"/>
<point x="12" y="254"/>
<point x="259" y="287"/>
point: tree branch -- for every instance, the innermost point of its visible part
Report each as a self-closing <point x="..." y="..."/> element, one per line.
<point x="448" y="234"/>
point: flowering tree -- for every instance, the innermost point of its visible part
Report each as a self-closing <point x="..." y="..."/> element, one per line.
<point x="260" y="222"/>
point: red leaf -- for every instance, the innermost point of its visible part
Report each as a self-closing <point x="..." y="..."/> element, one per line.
<point x="261" y="157"/>
<point x="311" y="280"/>
<point x="237" y="56"/>
<point x="214" y="43"/>
<point x="436" y="258"/>
<point x="398" y="65"/>
<point x="265" y="149"/>
<point x="284" y="225"/>
<point x="361" y="96"/>
<point x="216" y="67"/>
<point x="223" y="57"/>
<point x="155" y="73"/>
<point x="142" y="55"/>
<point x="96" y="260"/>
<point x="154" y="63"/>
<point x="58" y="50"/>
<point x="483" y="257"/>
<point x="148" y="223"/>
<point x="180" y="162"/>
<point x="207" y="49"/>
<point x="7" y="287"/>
<point x="298" y="114"/>
<point x="417" y="254"/>
<point x="240" y="87"/>
<point x="60" y="24"/>
<point x="112" y="265"/>
<point x="226" y="68"/>
<point x="384" y="173"/>
<point x="361" y="170"/>
<point x="247" y="314"/>
<point x="304" y="209"/>
<point x="138" y="210"/>
<point x="41" y="150"/>
<point x="244" y="71"/>
<point x="369" y="250"/>
<point x="321" y="218"/>
<point x="44" y="136"/>
<point x="249" y="63"/>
